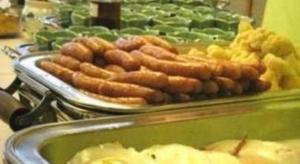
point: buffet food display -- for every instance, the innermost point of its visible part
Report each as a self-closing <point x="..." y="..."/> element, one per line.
<point x="224" y="152"/>
<point x="148" y="69"/>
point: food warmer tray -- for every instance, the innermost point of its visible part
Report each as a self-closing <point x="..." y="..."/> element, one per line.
<point x="70" y="102"/>
<point x="28" y="71"/>
<point x="57" y="143"/>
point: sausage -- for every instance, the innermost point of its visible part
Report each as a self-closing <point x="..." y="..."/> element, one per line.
<point x="97" y="49"/>
<point x="245" y="84"/>
<point x="225" y="84"/>
<point x="259" y="85"/>
<point x="130" y="43"/>
<point x="119" y="100"/>
<point x="160" y="43"/>
<point x="178" y="84"/>
<point x="216" y="69"/>
<point x="158" y="52"/>
<point x="122" y="59"/>
<point x="115" y="89"/>
<point x="193" y="70"/>
<point x="106" y="45"/>
<point x="150" y="79"/>
<point x="66" y="61"/>
<point x="60" y="72"/>
<point x="115" y="68"/>
<point x="210" y="87"/>
<point x="78" y="51"/>
<point x="182" y="98"/>
<point x="87" y="83"/>
<point x="94" y="71"/>
<point x="249" y="72"/>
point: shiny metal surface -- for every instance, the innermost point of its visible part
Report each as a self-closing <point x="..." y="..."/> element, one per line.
<point x="57" y="143"/>
<point x="42" y="81"/>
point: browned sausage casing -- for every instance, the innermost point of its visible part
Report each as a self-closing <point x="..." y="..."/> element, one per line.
<point x="86" y="83"/>
<point x="178" y="84"/>
<point x="158" y="52"/>
<point x="249" y="72"/>
<point x="193" y="70"/>
<point x="216" y="69"/>
<point x="122" y="59"/>
<point x="78" y="51"/>
<point x="97" y="49"/>
<point x="62" y="73"/>
<point x="94" y="71"/>
<point x="259" y="85"/>
<point x="182" y="98"/>
<point x="106" y="45"/>
<point x="119" y="100"/>
<point x="150" y="79"/>
<point x="130" y="43"/>
<point x="115" y="89"/>
<point x="210" y="87"/>
<point x="161" y="43"/>
<point x="115" y="68"/>
<point x="66" y="61"/>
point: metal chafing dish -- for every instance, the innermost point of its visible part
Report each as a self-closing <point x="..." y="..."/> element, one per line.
<point x="57" y="143"/>
<point x="53" y="100"/>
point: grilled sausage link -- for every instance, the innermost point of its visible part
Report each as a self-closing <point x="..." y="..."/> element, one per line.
<point x="160" y="43"/>
<point x="87" y="83"/>
<point x="106" y="45"/>
<point x="97" y="49"/>
<point x="150" y="79"/>
<point x="130" y="43"/>
<point x="122" y="59"/>
<point x="216" y="69"/>
<point x="249" y="72"/>
<point x="158" y="52"/>
<point x="66" y="61"/>
<point x="178" y="84"/>
<point x="78" y="51"/>
<point x="94" y="71"/>
<point x="210" y="87"/>
<point x="115" y="68"/>
<point x="199" y="71"/>
<point x="58" y="71"/>
<point x="114" y="89"/>
<point x="119" y="100"/>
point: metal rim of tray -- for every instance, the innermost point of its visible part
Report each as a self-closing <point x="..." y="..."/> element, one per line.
<point x="25" y="145"/>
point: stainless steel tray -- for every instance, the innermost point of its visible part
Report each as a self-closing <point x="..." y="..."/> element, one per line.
<point x="57" y="143"/>
<point x="30" y="73"/>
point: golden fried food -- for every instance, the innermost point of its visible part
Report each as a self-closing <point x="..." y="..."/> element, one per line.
<point x="115" y="68"/>
<point x="130" y="43"/>
<point x="97" y="49"/>
<point x="119" y="100"/>
<point x="160" y="42"/>
<point x="193" y="70"/>
<point x="66" y="61"/>
<point x="78" y="51"/>
<point x="178" y="84"/>
<point x="115" y="89"/>
<point x="62" y="73"/>
<point x="106" y="45"/>
<point x="94" y="71"/>
<point x="122" y="59"/>
<point x="150" y="79"/>
<point x="85" y="82"/>
<point x="158" y="52"/>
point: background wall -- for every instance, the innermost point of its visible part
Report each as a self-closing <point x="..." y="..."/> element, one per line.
<point x="244" y="6"/>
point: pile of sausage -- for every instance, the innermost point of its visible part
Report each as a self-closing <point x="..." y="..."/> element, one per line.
<point x="148" y="70"/>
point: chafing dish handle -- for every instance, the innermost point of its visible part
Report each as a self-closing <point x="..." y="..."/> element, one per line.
<point x="11" y="109"/>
